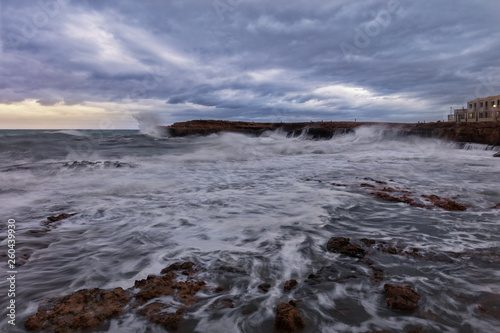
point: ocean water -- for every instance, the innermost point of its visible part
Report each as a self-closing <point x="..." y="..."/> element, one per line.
<point x="265" y="206"/>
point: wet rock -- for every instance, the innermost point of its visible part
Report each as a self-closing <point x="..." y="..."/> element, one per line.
<point x="156" y="286"/>
<point x="288" y="319"/>
<point x="187" y="268"/>
<point x="390" y="250"/>
<point x="84" y="309"/>
<point x="496" y="207"/>
<point x="342" y="245"/>
<point x="445" y="203"/>
<point x="387" y="197"/>
<point x="231" y="269"/>
<point x="414" y="253"/>
<point x="60" y="217"/>
<point x="222" y="303"/>
<point x="399" y="297"/>
<point x="374" y="180"/>
<point x="338" y="273"/>
<point x="404" y="199"/>
<point x="368" y="242"/>
<point x="98" y="164"/>
<point x="367" y="185"/>
<point x="290" y="285"/>
<point x="264" y="287"/>
<point x="378" y="274"/>
<point x="497" y="154"/>
<point x="219" y="289"/>
<point x="158" y="313"/>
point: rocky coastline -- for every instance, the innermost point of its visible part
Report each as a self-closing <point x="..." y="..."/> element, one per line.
<point x="483" y="133"/>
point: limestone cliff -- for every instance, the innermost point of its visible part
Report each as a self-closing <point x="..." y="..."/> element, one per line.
<point x="486" y="133"/>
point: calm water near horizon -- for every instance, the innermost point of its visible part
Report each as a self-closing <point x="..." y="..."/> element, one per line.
<point x="265" y="206"/>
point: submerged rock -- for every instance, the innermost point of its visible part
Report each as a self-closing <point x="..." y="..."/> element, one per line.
<point x="382" y="195"/>
<point x="288" y="319"/>
<point x="399" y="297"/>
<point x="290" y="285"/>
<point x="445" y="203"/>
<point x="378" y="274"/>
<point x="497" y="154"/>
<point x="342" y="245"/>
<point x="158" y="313"/>
<point x="222" y="303"/>
<point x="60" y="217"/>
<point x="264" y="287"/>
<point x="368" y="242"/>
<point x="105" y="164"/>
<point x="84" y="309"/>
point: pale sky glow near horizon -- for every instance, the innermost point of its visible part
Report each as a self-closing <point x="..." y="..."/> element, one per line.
<point x="92" y="64"/>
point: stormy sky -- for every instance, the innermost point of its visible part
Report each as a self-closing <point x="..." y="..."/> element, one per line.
<point x="109" y="64"/>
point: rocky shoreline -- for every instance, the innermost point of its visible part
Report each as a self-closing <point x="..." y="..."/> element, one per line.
<point x="483" y="133"/>
<point x="167" y="298"/>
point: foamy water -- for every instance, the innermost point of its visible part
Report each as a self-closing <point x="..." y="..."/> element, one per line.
<point x="264" y="205"/>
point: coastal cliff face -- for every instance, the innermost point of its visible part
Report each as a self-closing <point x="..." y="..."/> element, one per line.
<point x="485" y="133"/>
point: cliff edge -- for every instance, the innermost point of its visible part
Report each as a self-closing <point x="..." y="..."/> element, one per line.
<point x="485" y="133"/>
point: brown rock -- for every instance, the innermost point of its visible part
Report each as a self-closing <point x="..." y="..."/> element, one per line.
<point x="387" y="197"/>
<point x="264" y="287"/>
<point x="445" y="203"/>
<point x="52" y="219"/>
<point x="496" y="206"/>
<point x="399" y="297"/>
<point x="343" y="246"/>
<point x="368" y="242"/>
<point x="156" y="313"/>
<point x="290" y="285"/>
<point x="84" y="309"/>
<point x="222" y="303"/>
<point x="288" y="319"/>
<point x="390" y="250"/>
<point x="156" y="286"/>
<point x="187" y="268"/>
<point x="378" y="274"/>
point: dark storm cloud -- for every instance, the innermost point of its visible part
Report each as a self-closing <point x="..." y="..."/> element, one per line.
<point x="255" y="60"/>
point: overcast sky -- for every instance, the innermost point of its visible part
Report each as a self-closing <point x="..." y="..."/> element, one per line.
<point x="104" y="64"/>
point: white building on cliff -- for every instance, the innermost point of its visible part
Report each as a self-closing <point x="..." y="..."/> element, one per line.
<point x="478" y="110"/>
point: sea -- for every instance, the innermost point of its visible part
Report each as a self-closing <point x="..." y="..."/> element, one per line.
<point x="250" y="210"/>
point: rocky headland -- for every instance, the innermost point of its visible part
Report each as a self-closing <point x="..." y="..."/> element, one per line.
<point x="484" y="133"/>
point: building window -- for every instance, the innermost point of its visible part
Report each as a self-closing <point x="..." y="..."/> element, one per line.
<point x="498" y="103"/>
<point x="470" y="115"/>
<point x="486" y="115"/>
<point x="470" y="106"/>
<point x="475" y="105"/>
<point x="481" y="104"/>
<point x="486" y="104"/>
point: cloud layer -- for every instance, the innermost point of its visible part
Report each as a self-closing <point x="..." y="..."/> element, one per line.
<point x="390" y="60"/>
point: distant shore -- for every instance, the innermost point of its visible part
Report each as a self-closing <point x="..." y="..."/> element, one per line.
<point x="484" y="133"/>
